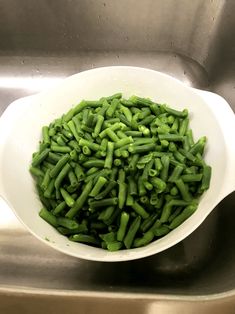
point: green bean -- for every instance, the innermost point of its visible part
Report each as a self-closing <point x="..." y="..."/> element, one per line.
<point x="198" y="147"/>
<point x="94" y="163"/>
<point x="133" y="133"/>
<point x="148" y="185"/>
<point x="45" y="135"/>
<point x="154" y="198"/>
<point x="86" y="150"/>
<point x="183" y="188"/>
<point x="122" y="192"/>
<point x="84" y="238"/>
<point x="48" y="217"/>
<point x="140" y="210"/>
<point x="80" y="200"/>
<point x="140" y="101"/>
<point x="79" y="172"/>
<point x="98" y="126"/>
<point x="121" y="134"/>
<point x="114" y="217"/>
<point x="161" y="231"/>
<point x="159" y="184"/>
<point x="112" y="108"/>
<point x="61" y="175"/>
<point x="133" y="162"/>
<point x="59" y="165"/>
<point x="141" y="148"/>
<point x="175" y="126"/>
<point x="54" y="157"/>
<point x="60" y="149"/>
<point x="51" y="131"/>
<point x="158" y="164"/>
<point x="166" y="212"/>
<point x="147" y="223"/>
<point x="144" y="240"/>
<point x="112" y="135"/>
<point x="59" y="208"/>
<point x="189" y="135"/>
<point x="67" y="197"/>
<point x="187" y="154"/>
<point x="38" y="158"/>
<point x="50" y="188"/>
<point x="124" y="219"/>
<point x="46" y="180"/>
<point x="103" y="146"/>
<point x="153" y="173"/>
<point x="91" y="145"/>
<point x="123" y="141"/>
<point x="186" y="213"/>
<point x="67" y="133"/>
<point x="206" y="177"/>
<point x="98" y="186"/>
<point x="104" y="202"/>
<point x="106" y="191"/>
<point x="36" y="172"/>
<point x="176" y="173"/>
<point x="129" y="198"/>
<point x="106" y="213"/>
<point x="80" y="229"/>
<point x="67" y="223"/>
<point x="124" y="120"/>
<point x="176" y="113"/>
<point x="146" y="169"/>
<point x="109" y="156"/>
<point x="183" y="126"/>
<point x="174" y="214"/>
<point x="127" y="113"/>
<point x="134" y="227"/>
<point x="47" y="165"/>
<point x="143" y="140"/>
<point x="165" y="160"/>
<point x="192" y="177"/>
<point x="114" y="246"/>
<point x="73" y="130"/>
<point x="141" y="187"/>
<point x="132" y="186"/>
<point x="174" y="191"/>
<point x="171" y="137"/>
<point x="78" y="126"/>
<point x="117" y="162"/>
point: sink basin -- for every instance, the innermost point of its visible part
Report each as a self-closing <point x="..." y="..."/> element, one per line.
<point x="41" y="42"/>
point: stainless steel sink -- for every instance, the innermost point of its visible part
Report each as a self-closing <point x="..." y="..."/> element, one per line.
<point x="41" y="42"/>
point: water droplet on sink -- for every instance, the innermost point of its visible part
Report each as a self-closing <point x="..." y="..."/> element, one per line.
<point x="22" y="62"/>
<point x="104" y="4"/>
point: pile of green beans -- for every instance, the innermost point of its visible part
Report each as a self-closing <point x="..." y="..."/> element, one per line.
<point x="119" y="173"/>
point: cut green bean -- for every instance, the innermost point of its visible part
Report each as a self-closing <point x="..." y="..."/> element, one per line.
<point x="64" y="171"/>
<point x="123" y="226"/>
<point x="140" y="210"/>
<point x="109" y="156"/>
<point x="186" y="213"/>
<point x="134" y="227"/>
<point x="38" y="158"/>
<point x="98" y="186"/>
<point x="48" y="217"/>
<point x="80" y="200"/>
<point x="67" y="197"/>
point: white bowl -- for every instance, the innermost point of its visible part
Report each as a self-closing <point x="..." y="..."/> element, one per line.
<point x="20" y="131"/>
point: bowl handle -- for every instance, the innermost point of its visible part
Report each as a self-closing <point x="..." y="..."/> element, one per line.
<point x="12" y="113"/>
<point x="226" y="119"/>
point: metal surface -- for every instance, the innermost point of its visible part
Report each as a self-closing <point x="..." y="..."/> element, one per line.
<point x="42" y="42"/>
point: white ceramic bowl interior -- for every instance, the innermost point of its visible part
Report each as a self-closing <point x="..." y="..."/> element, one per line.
<point x="20" y="131"/>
